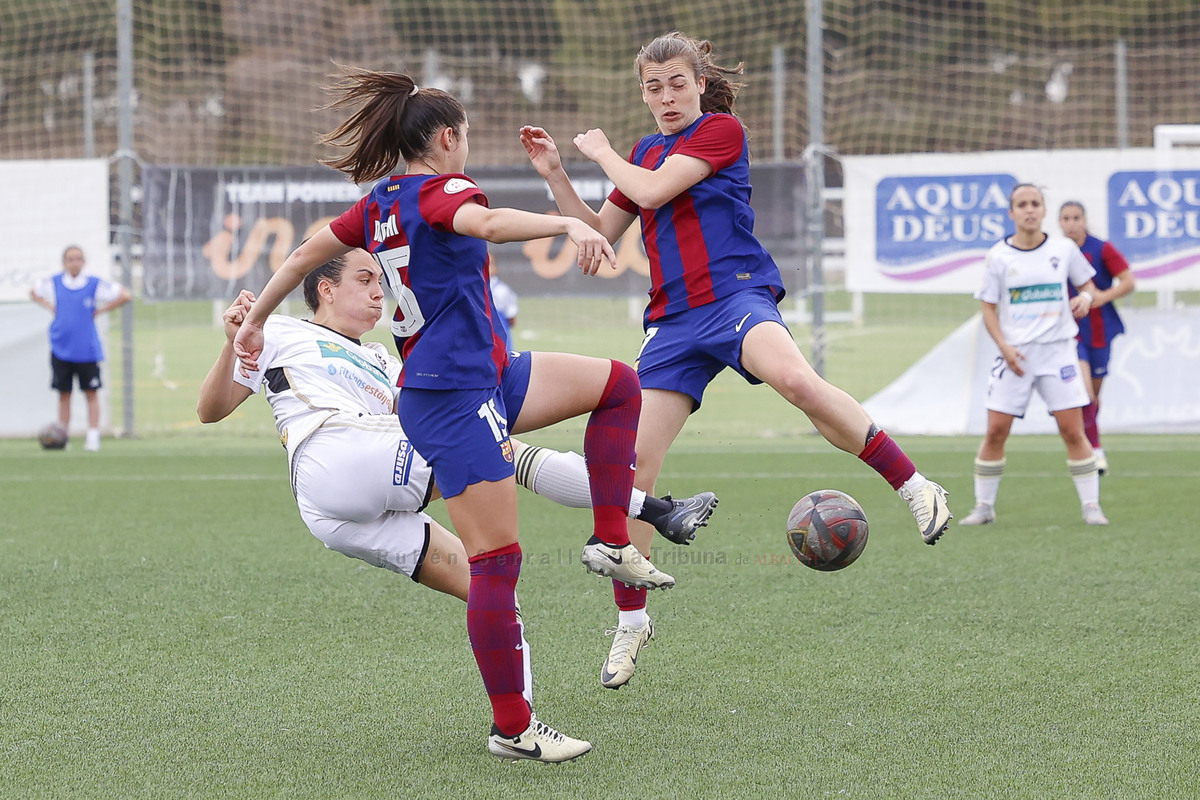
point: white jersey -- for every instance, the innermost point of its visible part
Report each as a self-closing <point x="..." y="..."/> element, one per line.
<point x="312" y="373"/>
<point x="1029" y="289"/>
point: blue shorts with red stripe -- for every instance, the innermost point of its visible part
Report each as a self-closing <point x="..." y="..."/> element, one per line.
<point x="514" y="382"/>
<point x="683" y="352"/>
<point x="1095" y="357"/>
<point x="462" y="433"/>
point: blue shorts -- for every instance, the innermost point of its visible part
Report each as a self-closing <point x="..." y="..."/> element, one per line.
<point x="1095" y="357"/>
<point x="462" y="433"/>
<point x="683" y="352"/>
<point x="514" y="383"/>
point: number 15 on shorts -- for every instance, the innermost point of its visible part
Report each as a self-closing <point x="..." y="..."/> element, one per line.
<point x="495" y="420"/>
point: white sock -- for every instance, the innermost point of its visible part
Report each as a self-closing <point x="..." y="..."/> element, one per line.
<point x="561" y="477"/>
<point x="987" y="481"/>
<point x="1087" y="479"/>
<point x="527" y="693"/>
<point x="632" y="619"/>
<point x="916" y="481"/>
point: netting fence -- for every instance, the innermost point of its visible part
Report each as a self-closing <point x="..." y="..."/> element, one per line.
<point x="237" y="85"/>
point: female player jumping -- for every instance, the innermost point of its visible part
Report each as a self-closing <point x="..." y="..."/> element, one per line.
<point x="715" y="289"/>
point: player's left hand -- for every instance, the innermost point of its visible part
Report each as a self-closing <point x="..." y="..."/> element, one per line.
<point x="1080" y="306"/>
<point x="248" y="346"/>
<point x="592" y="144"/>
<point x="236" y="314"/>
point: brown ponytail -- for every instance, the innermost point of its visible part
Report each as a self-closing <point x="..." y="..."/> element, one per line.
<point x="396" y="122"/>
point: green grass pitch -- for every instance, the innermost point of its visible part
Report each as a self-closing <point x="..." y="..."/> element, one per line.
<point x="170" y="629"/>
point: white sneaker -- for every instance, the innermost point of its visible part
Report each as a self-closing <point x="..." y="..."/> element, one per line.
<point x="1092" y="514"/>
<point x="927" y="503"/>
<point x="624" y="564"/>
<point x="982" y="514"/>
<point x="92" y="441"/>
<point x="622" y="656"/>
<point x="538" y="742"/>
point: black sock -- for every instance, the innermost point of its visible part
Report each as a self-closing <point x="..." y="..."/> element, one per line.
<point x="655" y="509"/>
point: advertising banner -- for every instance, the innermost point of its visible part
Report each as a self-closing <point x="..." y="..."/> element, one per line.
<point x="212" y="231"/>
<point x="923" y="223"/>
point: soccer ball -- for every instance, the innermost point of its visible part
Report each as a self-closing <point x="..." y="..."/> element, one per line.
<point x="827" y="530"/>
<point x="53" y="436"/>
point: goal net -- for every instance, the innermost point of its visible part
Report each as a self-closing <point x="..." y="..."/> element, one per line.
<point x="226" y="90"/>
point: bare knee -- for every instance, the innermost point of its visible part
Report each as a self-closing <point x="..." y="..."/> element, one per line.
<point x="803" y="391"/>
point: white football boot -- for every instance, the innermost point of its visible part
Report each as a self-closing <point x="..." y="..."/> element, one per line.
<point x="982" y="514"/>
<point x="622" y="656"/>
<point x="538" y="742"/>
<point x="1092" y="514"/>
<point x="927" y="502"/>
<point x="624" y="564"/>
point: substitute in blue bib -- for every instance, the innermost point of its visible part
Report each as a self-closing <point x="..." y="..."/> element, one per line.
<point x="76" y="300"/>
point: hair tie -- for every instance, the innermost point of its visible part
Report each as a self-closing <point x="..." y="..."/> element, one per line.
<point x="414" y="91"/>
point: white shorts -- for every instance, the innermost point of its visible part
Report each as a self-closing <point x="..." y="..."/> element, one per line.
<point x="360" y="488"/>
<point x="1051" y="368"/>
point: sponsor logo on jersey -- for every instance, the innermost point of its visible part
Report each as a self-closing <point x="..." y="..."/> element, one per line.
<point x="456" y="185"/>
<point x="385" y="228"/>
<point x="335" y="350"/>
<point x="403" y="468"/>
<point x="1041" y="293"/>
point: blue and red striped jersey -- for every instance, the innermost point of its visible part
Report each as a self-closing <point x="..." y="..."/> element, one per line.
<point x="1100" y="325"/>
<point x="701" y="244"/>
<point x="443" y="324"/>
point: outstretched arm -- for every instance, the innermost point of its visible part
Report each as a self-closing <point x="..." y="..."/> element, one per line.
<point x="649" y="188"/>
<point x="312" y="253"/>
<point x="543" y="152"/>
<point x="220" y="394"/>
<point x="513" y="225"/>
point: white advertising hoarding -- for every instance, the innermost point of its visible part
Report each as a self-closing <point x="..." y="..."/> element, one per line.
<point x="923" y="223"/>
<point x="45" y="207"/>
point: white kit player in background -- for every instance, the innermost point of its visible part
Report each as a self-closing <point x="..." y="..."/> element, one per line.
<point x="1027" y="312"/>
<point x="359" y="485"/>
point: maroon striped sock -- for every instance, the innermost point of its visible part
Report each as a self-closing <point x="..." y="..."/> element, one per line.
<point x="1090" y="427"/>
<point x="495" y="635"/>
<point x="608" y="448"/>
<point x="627" y="597"/>
<point x="884" y="456"/>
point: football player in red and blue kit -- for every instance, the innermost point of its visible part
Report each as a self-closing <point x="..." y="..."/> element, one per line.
<point x="714" y="289"/>
<point x="428" y="227"/>
<point x="1102" y="324"/>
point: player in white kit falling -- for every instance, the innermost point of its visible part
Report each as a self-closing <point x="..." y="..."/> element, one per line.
<point x="359" y="485"/>
<point x="1027" y="312"/>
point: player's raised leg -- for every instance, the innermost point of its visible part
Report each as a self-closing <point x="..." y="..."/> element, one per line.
<point x="562" y="386"/>
<point x="770" y="353"/>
